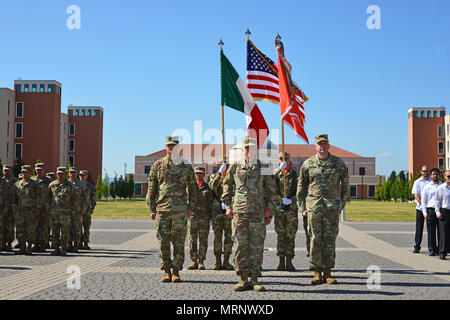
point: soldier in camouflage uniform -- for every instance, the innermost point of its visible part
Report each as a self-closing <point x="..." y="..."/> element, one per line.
<point x="43" y="220"/>
<point x="322" y="191"/>
<point x="63" y="208"/>
<point x="7" y="210"/>
<point x="87" y="217"/>
<point x="286" y="216"/>
<point x="221" y="224"/>
<point x="249" y="197"/>
<point x="82" y="197"/>
<point x="28" y="202"/>
<point x="198" y="224"/>
<point x="51" y="177"/>
<point x="171" y="197"/>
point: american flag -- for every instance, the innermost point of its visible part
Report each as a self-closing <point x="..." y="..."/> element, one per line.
<point x="262" y="78"/>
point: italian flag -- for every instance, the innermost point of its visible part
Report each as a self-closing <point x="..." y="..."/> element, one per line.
<point x="236" y="95"/>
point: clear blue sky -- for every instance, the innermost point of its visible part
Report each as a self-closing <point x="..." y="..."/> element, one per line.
<point x="154" y="66"/>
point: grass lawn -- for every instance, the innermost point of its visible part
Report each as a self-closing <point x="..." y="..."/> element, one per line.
<point x="354" y="211"/>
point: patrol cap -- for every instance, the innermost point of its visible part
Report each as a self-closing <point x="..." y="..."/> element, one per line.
<point x="39" y="165"/>
<point x="84" y="172"/>
<point x="73" y="169"/>
<point x="50" y="174"/>
<point x="199" y="170"/>
<point x="172" y="140"/>
<point x="220" y="160"/>
<point x="61" y="170"/>
<point x="7" y="167"/>
<point x="26" y="168"/>
<point x="321" y="137"/>
<point x="286" y="155"/>
<point x="249" y="142"/>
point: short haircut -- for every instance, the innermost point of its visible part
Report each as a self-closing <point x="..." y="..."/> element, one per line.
<point x="435" y="170"/>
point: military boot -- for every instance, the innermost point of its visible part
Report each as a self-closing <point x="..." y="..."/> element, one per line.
<point x="243" y="284"/>
<point x="327" y="276"/>
<point x="29" y="251"/>
<point x="42" y="247"/>
<point x="17" y="246"/>
<point x="254" y="284"/>
<point x="8" y="247"/>
<point x="218" y="264"/>
<point x="86" y="247"/>
<point x="22" y="248"/>
<point x="75" y="247"/>
<point x="175" y="276"/>
<point x="3" y="247"/>
<point x="226" y="264"/>
<point x="201" y="266"/>
<point x="70" y="247"/>
<point x="56" y="251"/>
<point x="63" y="251"/>
<point x="35" y="248"/>
<point x="317" y="276"/>
<point x="193" y="265"/>
<point x="289" y="265"/>
<point x="167" y="277"/>
<point x="281" y="265"/>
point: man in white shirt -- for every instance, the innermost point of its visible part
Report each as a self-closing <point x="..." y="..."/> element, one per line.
<point x="442" y="205"/>
<point x="428" y="197"/>
<point x="416" y="191"/>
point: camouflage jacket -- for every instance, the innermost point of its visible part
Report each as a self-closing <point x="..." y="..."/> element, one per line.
<point x="63" y="196"/>
<point x="247" y="190"/>
<point x="92" y="193"/>
<point x="323" y="183"/>
<point x="27" y="195"/>
<point x="82" y="195"/>
<point x="2" y="192"/>
<point x="9" y="194"/>
<point x="205" y="198"/>
<point x="215" y="182"/>
<point x="291" y="186"/>
<point x="43" y="191"/>
<point x="171" y="187"/>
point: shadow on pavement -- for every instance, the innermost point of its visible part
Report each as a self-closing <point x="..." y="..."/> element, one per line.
<point x="15" y="268"/>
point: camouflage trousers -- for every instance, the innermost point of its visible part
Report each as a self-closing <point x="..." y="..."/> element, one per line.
<point x="221" y="225"/>
<point x="7" y="227"/>
<point x="43" y="226"/>
<point x="286" y="226"/>
<point x="323" y="227"/>
<point x="171" y="227"/>
<point x="26" y="225"/>
<point x="75" y="228"/>
<point x="248" y="234"/>
<point x="86" y="224"/>
<point x="308" y="237"/>
<point x="61" y="228"/>
<point x="198" y="230"/>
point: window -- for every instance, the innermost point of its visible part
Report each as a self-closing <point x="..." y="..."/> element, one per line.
<point x="18" y="151"/>
<point x="440" y="147"/>
<point x="9" y="107"/>
<point x="428" y="114"/>
<point x="34" y="87"/>
<point x="442" y="113"/>
<point x="7" y="130"/>
<point x="49" y="88"/>
<point x="19" y="130"/>
<point x="371" y="191"/>
<point x="441" y="164"/>
<point x="77" y="112"/>
<point x="42" y="88"/>
<point x="27" y="88"/>
<point x="71" y="129"/>
<point x="89" y="113"/>
<point x="422" y="114"/>
<point x="95" y="112"/>
<point x="71" y="161"/>
<point x="18" y="87"/>
<point x="71" y="145"/>
<point x="440" y="131"/>
<point x="19" y="110"/>
<point x="70" y="112"/>
<point x="83" y="112"/>
<point x="435" y="114"/>
<point x="7" y="150"/>
<point x="353" y="191"/>
<point x="138" y="189"/>
<point x="416" y="114"/>
<point x="146" y="169"/>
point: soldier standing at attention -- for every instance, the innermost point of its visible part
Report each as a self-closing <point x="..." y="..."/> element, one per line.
<point x="417" y="188"/>
<point x="198" y="223"/>
<point x="63" y="207"/>
<point x="322" y="192"/>
<point x="249" y="197"/>
<point x="286" y="219"/>
<point x="7" y="210"/>
<point x="171" y="197"/>
<point x="87" y="217"/>
<point x="220" y="222"/>
<point x="82" y="206"/>
<point x="28" y="203"/>
<point x="43" y="221"/>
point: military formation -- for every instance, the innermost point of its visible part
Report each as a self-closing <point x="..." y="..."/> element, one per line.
<point x="44" y="211"/>
<point x="239" y="201"/>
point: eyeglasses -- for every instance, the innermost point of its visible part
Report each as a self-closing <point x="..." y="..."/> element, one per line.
<point x="448" y="176"/>
<point x="424" y="170"/>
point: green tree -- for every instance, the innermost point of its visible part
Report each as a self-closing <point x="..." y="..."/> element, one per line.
<point x="130" y="185"/>
<point x="392" y="176"/>
<point x="387" y="190"/>
<point x="105" y="186"/>
<point x="379" y="192"/>
<point x="18" y="167"/>
<point x="98" y="187"/>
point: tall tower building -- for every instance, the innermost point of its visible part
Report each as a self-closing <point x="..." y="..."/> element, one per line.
<point x="426" y="139"/>
<point x="85" y="138"/>
<point x="7" y="111"/>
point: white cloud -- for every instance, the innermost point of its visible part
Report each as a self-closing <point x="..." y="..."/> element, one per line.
<point x="385" y="155"/>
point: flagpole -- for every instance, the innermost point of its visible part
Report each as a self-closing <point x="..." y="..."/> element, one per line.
<point x="223" y="119"/>
<point x="284" y="157"/>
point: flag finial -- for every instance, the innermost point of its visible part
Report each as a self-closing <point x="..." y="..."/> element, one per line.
<point x="220" y="43"/>
<point x="279" y="43"/>
<point x="248" y="33"/>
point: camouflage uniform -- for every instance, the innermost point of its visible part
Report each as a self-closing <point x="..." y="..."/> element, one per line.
<point x="198" y="224"/>
<point x="87" y="217"/>
<point x="171" y="193"/>
<point x="82" y="197"/>
<point x="28" y="202"/>
<point x="323" y="189"/>
<point x="63" y="206"/>
<point x="7" y="219"/>
<point x="43" y="220"/>
<point x="221" y="224"/>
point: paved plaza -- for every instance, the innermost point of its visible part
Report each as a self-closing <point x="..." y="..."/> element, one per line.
<point x="124" y="264"/>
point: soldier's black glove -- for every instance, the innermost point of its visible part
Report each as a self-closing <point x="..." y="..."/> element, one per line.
<point x="285" y="207"/>
<point x="224" y="211"/>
